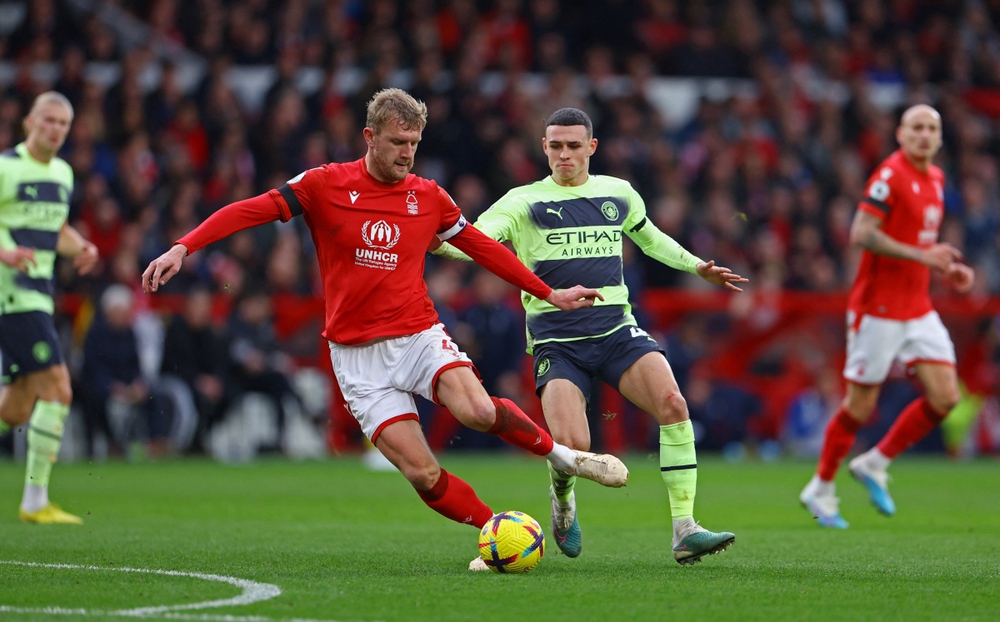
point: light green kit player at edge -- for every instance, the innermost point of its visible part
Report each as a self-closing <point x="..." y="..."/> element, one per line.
<point x="35" y="187"/>
<point x="568" y="229"/>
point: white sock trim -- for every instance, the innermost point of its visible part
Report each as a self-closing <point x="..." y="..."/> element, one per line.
<point x="562" y="457"/>
<point x="34" y="498"/>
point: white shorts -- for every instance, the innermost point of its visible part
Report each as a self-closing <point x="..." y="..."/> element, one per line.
<point x="378" y="379"/>
<point x="873" y="343"/>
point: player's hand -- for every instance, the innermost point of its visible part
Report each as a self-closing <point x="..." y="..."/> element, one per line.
<point x="960" y="276"/>
<point x="575" y="297"/>
<point x="87" y="259"/>
<point x="163" y="267"/>
<point x="20" y="258"/>
<point x="719" y="275"/>
<point x="939" y="256"/>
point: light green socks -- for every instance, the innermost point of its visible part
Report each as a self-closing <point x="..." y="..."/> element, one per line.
<point x="562" y="485"/>
<point x="679" y="467"/>
<point x="45" y="432"/>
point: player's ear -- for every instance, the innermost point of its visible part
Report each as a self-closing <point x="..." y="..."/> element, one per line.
<point x="593" y="146"/>
<point x="369" y="135"/>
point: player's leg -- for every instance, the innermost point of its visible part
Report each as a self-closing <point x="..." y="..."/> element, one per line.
<point x="460" y="391"/>
<point x="565" y="409"/>
<point x="928" y="349"/>
<point x="649" y="383"/>
<point x="403" y="443"/>
<point x="388" y="417"/>
<point x="872" y="345"/>
<point x="48" y="417"/>
<point x="819" y="495"/>
<point x="39" y="385"/>
<point x="915" y="421"/>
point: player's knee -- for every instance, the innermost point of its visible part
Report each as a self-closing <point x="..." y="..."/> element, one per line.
<point x="421" y="476"/>
<point x="572" y="437"/>
<point x="672" y="408"/>
<point x="943" y="402"/>
<point x="480" y="414"/>
<point x="860" y="410"/>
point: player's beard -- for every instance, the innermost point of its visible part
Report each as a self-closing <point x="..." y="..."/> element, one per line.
<point x="388" y="171"/>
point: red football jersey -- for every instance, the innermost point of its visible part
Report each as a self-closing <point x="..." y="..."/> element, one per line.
<point x="910" y="204"/>
<point x="371" y="240"/>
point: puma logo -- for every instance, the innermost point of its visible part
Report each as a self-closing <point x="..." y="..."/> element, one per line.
<point x="354" y="196"/>
<point x="32" y="192"/>
<point x="558" y="212"/>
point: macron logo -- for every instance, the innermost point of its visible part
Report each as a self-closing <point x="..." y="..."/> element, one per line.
<point x="354" y="196"/>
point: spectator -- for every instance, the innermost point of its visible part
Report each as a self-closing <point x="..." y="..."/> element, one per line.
<point x="257" y="363"/>
<point x="116" y="398"/>
<point x="194" y="355"/>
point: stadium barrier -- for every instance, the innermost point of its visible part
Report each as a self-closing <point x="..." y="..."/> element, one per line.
<point x="767" y="347"/>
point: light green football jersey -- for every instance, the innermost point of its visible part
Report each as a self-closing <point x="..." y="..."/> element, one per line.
<point x="34" y="205"/>
<point x="570" y="236"/>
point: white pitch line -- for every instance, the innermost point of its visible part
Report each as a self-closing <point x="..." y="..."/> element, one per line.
<point x="62" y="611"/>
<point x="252" y="592"/>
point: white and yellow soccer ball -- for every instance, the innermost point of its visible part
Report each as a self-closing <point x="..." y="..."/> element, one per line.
<point x="511" y="542"/>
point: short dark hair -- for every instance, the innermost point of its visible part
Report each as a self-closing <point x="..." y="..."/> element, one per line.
<point x="571" y="116"/>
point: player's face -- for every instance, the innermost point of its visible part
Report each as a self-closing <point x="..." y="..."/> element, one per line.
<point x="47" y="128"/>
<point x="568" y="149"/>
<point x="919" y="135"/>
<point x="391" y="151"/>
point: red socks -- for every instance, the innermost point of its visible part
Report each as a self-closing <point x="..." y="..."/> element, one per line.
<point x="516" y="428"/>
<point x="453" y="498"/>
<point x="837" y="442"/>
<point x="914" y="423"/>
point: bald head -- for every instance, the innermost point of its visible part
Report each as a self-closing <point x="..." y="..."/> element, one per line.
<point x="919" y="110"/>
<point x="919" y="135"/>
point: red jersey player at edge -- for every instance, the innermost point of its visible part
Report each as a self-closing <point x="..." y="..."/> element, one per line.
<point x="371" y="222"/>
<point x="890" y="316"/>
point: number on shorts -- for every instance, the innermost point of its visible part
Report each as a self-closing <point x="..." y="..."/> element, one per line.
<point x="447" y="345"/>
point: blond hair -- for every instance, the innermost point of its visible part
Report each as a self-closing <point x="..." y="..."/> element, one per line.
<point x="51" y="97"/>
<point x="398" y="106"/>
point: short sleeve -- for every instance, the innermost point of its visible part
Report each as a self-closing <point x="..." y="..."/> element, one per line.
<point x="636" y="217"/>
<point x="300" y="192"/>
<point x="879" y="195"/>
<point x="452" y="221"/>
<point x="500" y="221"/>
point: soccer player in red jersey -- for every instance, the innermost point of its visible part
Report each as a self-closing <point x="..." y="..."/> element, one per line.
<point x="890" y="317"/>
<point x="372" y="221"/>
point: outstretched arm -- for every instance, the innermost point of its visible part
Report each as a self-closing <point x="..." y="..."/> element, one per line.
<point x="444" y="249"/>
<point x="234" y="217"/>
<point x="662" y="247"/>
<point x="665" y="249"/>
<point x="495" y="257"/>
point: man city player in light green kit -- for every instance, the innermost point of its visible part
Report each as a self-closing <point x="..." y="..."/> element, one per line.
<point x="568" y="229"/>
<point x="35" y="187"/>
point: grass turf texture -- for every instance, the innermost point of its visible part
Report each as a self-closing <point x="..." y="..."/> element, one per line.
<point x="344" y="544"/>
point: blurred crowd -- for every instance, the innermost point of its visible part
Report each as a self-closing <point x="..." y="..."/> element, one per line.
<point x="762" y="175"/>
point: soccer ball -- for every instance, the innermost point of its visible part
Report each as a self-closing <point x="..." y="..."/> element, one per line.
<point x="511" y="542"/>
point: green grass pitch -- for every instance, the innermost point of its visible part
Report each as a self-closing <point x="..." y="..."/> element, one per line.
<point x="342" y="543"/>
